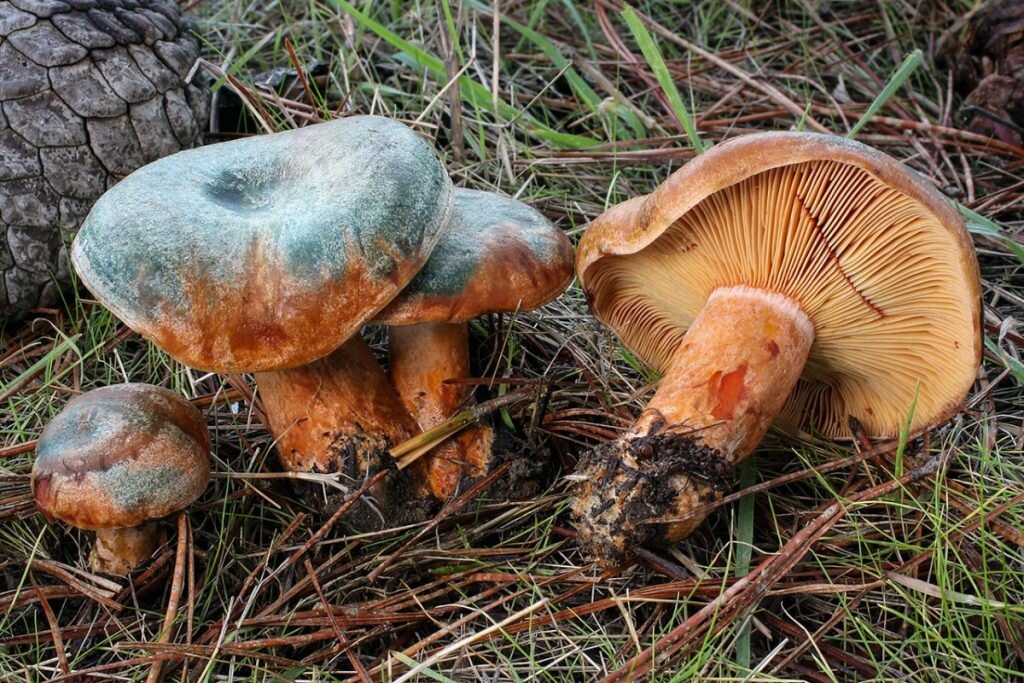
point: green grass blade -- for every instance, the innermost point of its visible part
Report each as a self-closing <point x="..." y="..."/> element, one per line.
<point x="67" y="344"/>
<point x="23" y="580"/>
<point x="904" y="434"/>
<point x="453" y="32"/>
<point x="474" y="93"/>
<point x="574" y="14"/>
<point x="429" y="673"/>
<point x="1015" y="367"/>
<point x="744" y="549"/>
<point x="239" y="63"/>
<point x="664" y="78"/>
<point x="980" y="225"/>
<point x="582" y="89"/>
<point x="912" y="61"/>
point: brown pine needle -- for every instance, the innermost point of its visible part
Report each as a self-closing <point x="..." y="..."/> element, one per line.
<point x="177" y="584"/>
<point x="449" y="509"/>
<point x="750" y="589"/>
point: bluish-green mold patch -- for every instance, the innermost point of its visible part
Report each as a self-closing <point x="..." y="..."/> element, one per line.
<point x="275" y="219"/>
<point x="70" y="439"/>
<point x="153" y="487"/>
<point x="484" y="226"/>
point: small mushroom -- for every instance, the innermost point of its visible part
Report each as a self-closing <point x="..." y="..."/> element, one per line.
<point x="497" y="255"/>
<point x="267" y="255"/>
<point x="117" y="458"/>
<point x="788" y="276"/>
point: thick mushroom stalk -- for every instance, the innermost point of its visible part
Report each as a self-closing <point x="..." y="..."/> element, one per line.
<point x="726" y="383"/>
<point x="116" y="458"/>
<point x="336" y="414"/>
<point x="422" y="358"/>
<point x="118" y="551"/>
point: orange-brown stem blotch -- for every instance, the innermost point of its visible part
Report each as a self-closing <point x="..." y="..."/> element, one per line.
<point x="119" y="551"/>
<point x="733" y="371"/>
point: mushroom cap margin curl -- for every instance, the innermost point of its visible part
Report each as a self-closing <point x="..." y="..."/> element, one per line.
<point x="118" y="456"/>
<point x="268" y="252"/>
<point x="879" y="260"/>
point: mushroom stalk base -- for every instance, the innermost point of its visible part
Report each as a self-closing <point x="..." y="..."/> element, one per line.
<point x="422" y="357"/>
<point x="119" y="551"/>
<point x="336" y="414"/>
<point x="729" y="379"/>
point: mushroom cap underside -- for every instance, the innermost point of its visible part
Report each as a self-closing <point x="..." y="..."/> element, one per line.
<point x="497" y="255"/>
<point x="120" y="455"/>
<point x="267" y="252"/>
<point x="878" y="259"/>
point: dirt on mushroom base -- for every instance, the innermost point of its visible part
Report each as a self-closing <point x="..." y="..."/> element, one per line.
<point x="530" y="473"/>
<point x="401" y="501"/>
<point x="391" y="502"/>
<point x="626" y="484"/>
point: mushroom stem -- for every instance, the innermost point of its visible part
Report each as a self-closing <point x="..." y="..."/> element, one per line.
<point x="726" y="383"/>
<point x="119" y="551"/>
<point x="422" y="358"/>
<point x="733" y="371"/>
<point x="336" y="414"/>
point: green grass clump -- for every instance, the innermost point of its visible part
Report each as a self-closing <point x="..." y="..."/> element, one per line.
<point x="569" y="107"/>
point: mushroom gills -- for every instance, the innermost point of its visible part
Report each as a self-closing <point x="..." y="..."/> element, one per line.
<point x="885" y="276"/>
<point x="726" y="382"/>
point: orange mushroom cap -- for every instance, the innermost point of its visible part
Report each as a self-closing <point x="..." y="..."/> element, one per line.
<point x="497" y="255"/>
<point x="268" y="252"/>
<point x="877" y="258"/>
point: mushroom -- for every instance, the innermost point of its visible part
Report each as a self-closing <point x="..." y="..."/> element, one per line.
<point x="267" y="255"/>
<point x="117" y="458"/>
<point x="789" y="276"/>
<point x="497" y="255"/>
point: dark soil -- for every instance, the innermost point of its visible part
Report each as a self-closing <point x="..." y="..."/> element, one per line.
<point x="530" y="473"/>
<point x="617" y="500"/>
<point x="390" y="502"/>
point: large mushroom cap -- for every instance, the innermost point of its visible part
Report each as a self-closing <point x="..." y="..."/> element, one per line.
<point x="121" y="455"/>
<point x="497" y="255"/>
<point x="267" y="252"/>
<point x="878" y="259"/>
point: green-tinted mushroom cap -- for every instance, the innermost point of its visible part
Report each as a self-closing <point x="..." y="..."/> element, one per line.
<point x="268" y="252"/>
<point x="121" y="455"/>
<point x="497" y="255"/>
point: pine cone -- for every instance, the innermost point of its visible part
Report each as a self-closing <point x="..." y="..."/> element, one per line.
<point x="89" y="91"/>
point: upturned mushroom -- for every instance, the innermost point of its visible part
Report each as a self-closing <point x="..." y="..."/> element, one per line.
<point x="114" y="460"/>
<point x="788" y="276"/>
<point x="497" y="255"/>
<point x="267" y="255"/>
